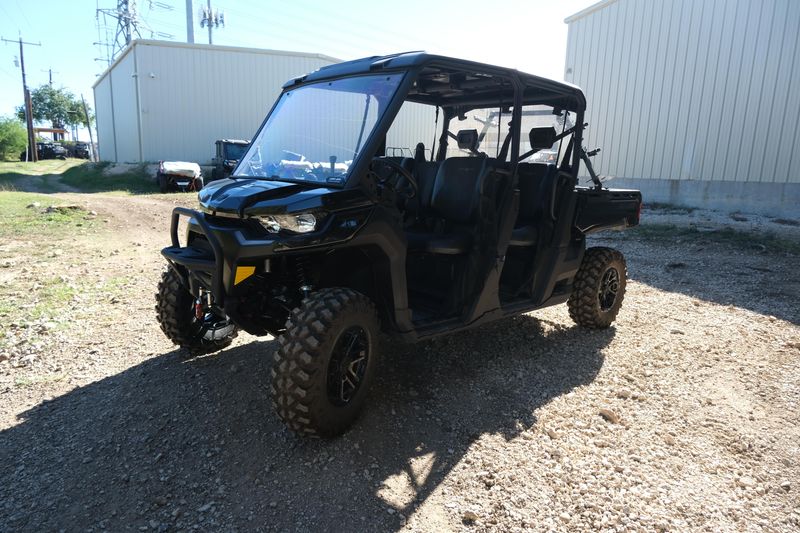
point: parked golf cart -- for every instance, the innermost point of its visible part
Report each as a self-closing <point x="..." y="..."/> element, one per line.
<point x="179" y="176"/>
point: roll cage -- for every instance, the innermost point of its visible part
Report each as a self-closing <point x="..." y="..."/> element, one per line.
<point x="454" y="86"/>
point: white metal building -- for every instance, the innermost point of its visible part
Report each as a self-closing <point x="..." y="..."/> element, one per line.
<point x="695" y="102"/>
<point x="163" y="100"/>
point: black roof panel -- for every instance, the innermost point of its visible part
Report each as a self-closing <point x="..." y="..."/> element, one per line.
<point x="538" y="89"/>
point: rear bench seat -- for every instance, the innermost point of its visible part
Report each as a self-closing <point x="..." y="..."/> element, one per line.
<point x="536" y="183"/>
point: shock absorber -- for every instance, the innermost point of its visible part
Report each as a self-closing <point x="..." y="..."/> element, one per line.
<point x="302" y="268"/>
<point x="202" y="303"/>
<point x="198" y="305"/>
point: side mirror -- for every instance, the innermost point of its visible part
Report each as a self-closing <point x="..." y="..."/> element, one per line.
<point x="541" y="138"/>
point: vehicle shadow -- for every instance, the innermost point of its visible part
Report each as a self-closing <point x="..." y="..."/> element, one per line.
<point x="173" y="444"/>
<point x="716" y="268"/>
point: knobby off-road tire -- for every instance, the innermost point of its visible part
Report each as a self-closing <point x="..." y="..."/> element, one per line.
<point x="325" y="362"/>
<point x="599" y="288"/>
<point x="175" y="313"/>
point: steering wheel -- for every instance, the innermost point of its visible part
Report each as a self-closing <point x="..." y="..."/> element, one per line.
<point x="405" y="183"/>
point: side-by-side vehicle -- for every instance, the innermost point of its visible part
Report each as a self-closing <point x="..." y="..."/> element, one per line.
<point x="396" y="196"/>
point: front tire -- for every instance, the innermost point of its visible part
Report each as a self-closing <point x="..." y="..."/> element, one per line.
<point x="163" y="183"/>
<point x="599" y="288"/>
<point x="325" y="363"/>
<point x="176" y="315"/>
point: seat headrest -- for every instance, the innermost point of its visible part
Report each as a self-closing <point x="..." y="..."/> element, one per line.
<point x="468" y="140"/>
<point x="542" y="138"/>
<point x="419" y="153"/>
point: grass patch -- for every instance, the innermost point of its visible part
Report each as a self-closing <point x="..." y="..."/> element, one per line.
<point x="762" y="242"/>
<point x="92" y="177"/>
<point x="42" y="176"/>
<point x="29" y="308"/>
<point x="58" y="176"/>
<point x="10" y="170"/>
<point x="17" y="219"/>
<point x="52" y="296"/>
<point x="30" y="381"/>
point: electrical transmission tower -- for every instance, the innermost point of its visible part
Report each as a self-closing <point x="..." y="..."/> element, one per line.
<point x="129" y="26"/>
<point x="127" y="29"/>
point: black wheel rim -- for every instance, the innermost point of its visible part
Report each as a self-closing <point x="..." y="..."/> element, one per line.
<point x="348" y="365"/>
<point x="609" y="286"/>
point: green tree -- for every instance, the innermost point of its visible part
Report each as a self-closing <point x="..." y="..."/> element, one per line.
<point x="13" y="138"/>
<point x="57" y="106"/>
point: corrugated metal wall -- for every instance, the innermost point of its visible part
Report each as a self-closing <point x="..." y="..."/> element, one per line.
<point x="104" y="120"/>
<point x="691" y="89"/>
<point x="191" y="95"/>
<point x="122" y="113"/>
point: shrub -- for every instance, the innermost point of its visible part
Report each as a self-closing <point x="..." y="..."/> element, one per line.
<point x="13" y="138"/>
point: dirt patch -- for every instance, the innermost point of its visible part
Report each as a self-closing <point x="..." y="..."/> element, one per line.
<point x="683" y="416"/>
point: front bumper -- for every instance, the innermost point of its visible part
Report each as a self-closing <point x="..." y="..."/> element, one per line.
<point x="197" y="260"/>
<point x="236" y="251"/>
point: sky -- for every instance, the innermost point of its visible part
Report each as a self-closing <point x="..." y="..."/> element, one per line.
<point x="529" y="35"/>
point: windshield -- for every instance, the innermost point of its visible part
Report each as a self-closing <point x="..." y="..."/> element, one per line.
<point x="316" y="131"/>
<point x="235" y="151"/>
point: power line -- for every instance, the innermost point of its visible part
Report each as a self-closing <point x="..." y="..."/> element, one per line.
<point x="27" y="97"/>
<point x="24" y="16"/>
<point x="8" y="16"/>
<point x="129" y="26"/>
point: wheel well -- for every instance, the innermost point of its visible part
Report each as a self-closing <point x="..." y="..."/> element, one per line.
<point x="364" y="269"/>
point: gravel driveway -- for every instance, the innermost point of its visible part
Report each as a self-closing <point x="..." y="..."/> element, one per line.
<point x="681" y="417"/>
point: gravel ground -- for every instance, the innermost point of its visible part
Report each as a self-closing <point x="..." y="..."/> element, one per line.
<point x="681" y="417"/>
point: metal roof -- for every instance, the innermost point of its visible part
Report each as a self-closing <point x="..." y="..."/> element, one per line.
<point x="199" y="46"/>
<point x="588" y="11"/>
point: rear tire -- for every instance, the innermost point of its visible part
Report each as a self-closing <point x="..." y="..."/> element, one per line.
<point x="599" y="288"/>
<point x="325" y="363"/>
<point x="175" y="313"/>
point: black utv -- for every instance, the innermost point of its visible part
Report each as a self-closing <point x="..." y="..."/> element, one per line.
<point x="46" y="150"/>
<point x="324" y="240"/>
<point x="228" y="154"/>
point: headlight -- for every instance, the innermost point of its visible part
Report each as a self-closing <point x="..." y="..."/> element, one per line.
<point x="302" y="223"/>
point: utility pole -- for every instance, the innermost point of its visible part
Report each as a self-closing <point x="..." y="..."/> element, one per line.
<point x="89" y="126"/>
<point x="209" y="24"/>
<point x="27" y="96"/>
<point x="212" y="19"/>
<point x="189" y="22"/>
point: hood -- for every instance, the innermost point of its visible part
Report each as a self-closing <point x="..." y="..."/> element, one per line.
<point x="242" y="197"/>
<point x="232" y="197"/>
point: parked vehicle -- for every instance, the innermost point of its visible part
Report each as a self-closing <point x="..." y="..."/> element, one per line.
<point x="81" y="150"/>
<point x="47" y="150"/>
<point x="179" y="176"/>
<point x="324" y="241"/>
<point x="229" y="152"/>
